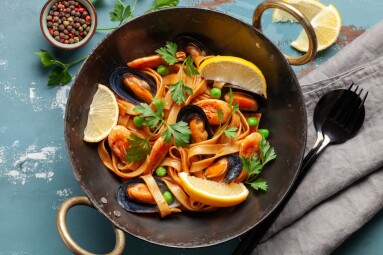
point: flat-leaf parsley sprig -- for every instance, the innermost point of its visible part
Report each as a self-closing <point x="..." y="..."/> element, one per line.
<point x="59" y="74"/>
<point x="140" y="147"/>
<point x="180" y="89"/>
<point x="255" y="164"/>
<point x="123" y="12"/>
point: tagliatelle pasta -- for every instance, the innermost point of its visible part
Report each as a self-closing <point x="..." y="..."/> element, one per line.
<point x="157" y="134"/>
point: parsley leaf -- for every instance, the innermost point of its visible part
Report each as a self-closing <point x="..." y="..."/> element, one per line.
<point x="120" y="13"/>
<point x="235" y="106"/>
<point x="139" y="148"/>
<point x="230" y="132"/>
<point x="259" y="184"/>
<point x="158" y="4"/>
<point x="151" y="117"/>
<point x="190" y="68"/>
<point x="168" y="53"/>
<point x="254" y="165"/>
<point x="180" y="131"/>
<point x="179" y="90"/>
<point x="59" y="74"/>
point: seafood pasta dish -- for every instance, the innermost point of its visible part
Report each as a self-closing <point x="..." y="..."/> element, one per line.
<point x="187" y="132"/>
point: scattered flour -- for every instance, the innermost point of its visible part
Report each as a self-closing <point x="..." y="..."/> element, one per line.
<point x="61" y="97"/>
<point x="27" y="165"/>
<point x="3" y="64"/>
<point x="64" y="192"/>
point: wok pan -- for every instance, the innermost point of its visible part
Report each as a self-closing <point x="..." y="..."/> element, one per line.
<point x="285" y="117"/>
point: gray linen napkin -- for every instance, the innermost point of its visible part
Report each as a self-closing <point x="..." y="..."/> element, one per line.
<point x="344" y="187"/>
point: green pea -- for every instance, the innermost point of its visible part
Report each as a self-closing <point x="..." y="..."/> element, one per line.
<point x="215" y="93"/>
<point x="168" y="197"/>
<point x="162" y="70"/>
<point x="161" y="171"/>
<point x="138" y="121"/>
<point x="263" y="132"/>
<point x="252" y="121"/>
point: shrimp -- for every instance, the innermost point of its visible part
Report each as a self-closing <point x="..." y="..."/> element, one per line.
<point x="153" y="61"/>
<point x="118" y="141"/>
<point x="250" y="145"/>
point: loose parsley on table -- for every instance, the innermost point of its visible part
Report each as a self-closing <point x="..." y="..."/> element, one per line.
<point x="255" y="164"/>
<point x="139" y="147"/>
<point x="180" y="89"/>
<point x="59" y="74"/>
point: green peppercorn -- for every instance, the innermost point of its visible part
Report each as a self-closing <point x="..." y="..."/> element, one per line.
<point x="168" y="197"/>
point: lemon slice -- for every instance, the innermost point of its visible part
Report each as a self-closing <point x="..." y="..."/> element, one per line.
<point x="309" y="8"/>
<point x="234" y="70"/>
<point x="213" y="193"/>
<point x="327" y="25"/>
<point x="102" y="116"/>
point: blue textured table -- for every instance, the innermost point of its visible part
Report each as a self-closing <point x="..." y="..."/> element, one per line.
<point x="35" y="175"/>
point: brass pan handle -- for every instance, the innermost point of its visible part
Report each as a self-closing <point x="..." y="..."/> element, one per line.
<point x="312" y="39"/>
<point x="69" y="242"/>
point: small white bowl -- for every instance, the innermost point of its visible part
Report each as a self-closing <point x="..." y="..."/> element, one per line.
<point x="44" y="28"/>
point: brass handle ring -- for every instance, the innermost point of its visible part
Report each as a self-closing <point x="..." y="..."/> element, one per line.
<point x="66" y="237"/>
<point x="312" y="39"/>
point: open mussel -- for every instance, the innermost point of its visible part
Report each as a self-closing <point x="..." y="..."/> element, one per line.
<point x="248" y="101"/>
<point x="133" y="85"/>
<point x="130" y="193"/>
<point x="225" y="168"/>
<point x="197" y="121"/>
<point x="193" y="46"/>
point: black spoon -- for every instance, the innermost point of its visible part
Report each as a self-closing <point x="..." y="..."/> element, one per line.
<point x="338" y="116"/>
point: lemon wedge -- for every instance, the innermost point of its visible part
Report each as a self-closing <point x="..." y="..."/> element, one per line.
<point x="102" y="116"/>
<point x="327" y="24"/>
<point x="234" y="70"/>
<point x="309" y="8"/>
<point x="213" y="193"/>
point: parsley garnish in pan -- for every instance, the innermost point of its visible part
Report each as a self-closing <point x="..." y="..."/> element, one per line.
<point x="180" y="89"/>
<point x="140" y="147"/>
<point x="254" y="165"/>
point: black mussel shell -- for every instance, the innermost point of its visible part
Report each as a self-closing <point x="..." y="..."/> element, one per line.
<point x="188" y="112"/>
<point x="261" y="100"/>
<point x="184" y="40"/>
<point x="137" y="207"/>
<point x="235" y="167"/>
<point x="118" y="86"/>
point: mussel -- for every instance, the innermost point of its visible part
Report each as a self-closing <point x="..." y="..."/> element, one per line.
<point x="247" y="100"/>
<point x="133" y="85"/>
<point x="133" y="205"/>
<point x="197" y="121"/>
<point x="227" y="167"/>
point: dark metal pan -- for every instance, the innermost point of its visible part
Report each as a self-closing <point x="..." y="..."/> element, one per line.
<point x="285" y="117"/>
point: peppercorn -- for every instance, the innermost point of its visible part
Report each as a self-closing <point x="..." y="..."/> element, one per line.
<point x="68" y="21"/>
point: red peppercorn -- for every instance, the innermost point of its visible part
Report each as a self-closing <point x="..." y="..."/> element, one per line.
<point x="56" y="4"/>
<point x="62" y="40"/>
<point x="66" y="41"/>
<point x="51" y="31"/>
<point x="88" y="18"/>
<point x="71" y="35"/>
<point x="81" y="9"/>
<point x="82" y="33"/>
